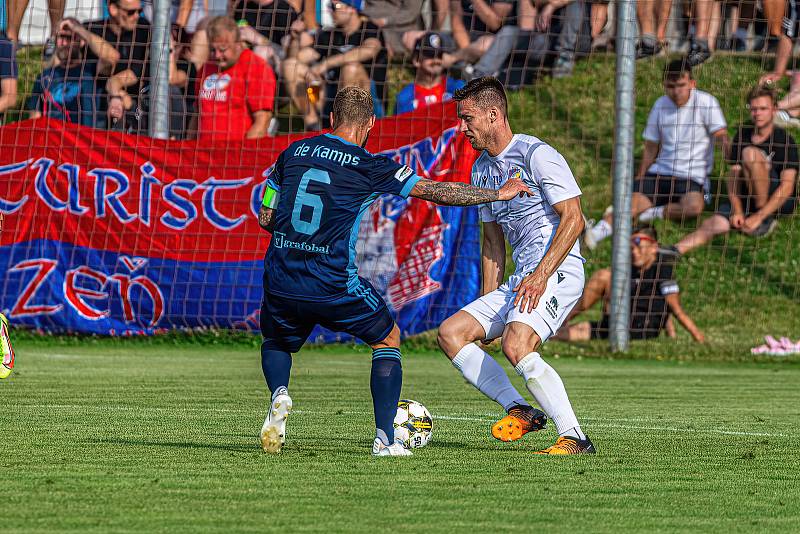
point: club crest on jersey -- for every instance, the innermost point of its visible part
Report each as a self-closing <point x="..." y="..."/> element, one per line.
<point x="403" y="173"/>
<point x="514" y="173"/>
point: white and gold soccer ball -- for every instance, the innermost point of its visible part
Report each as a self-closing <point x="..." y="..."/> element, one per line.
<point x="413" y="424"/>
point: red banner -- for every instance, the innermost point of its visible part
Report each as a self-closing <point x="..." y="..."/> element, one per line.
<point x="96" y="212"/>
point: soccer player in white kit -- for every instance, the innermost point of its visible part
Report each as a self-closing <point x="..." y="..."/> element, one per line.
<point x="543" y="231"/>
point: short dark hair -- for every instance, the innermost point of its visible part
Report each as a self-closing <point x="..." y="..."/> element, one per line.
<point x="353" y="105"/>
<point x="762" y="90"/>
<point x="646" y="229"/>
<point x="675" y="69"/>
<point x="486" y="91"/>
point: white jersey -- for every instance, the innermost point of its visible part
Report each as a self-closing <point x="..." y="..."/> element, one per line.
<point x="528" y="222"/>
<point x="685" y="135"/>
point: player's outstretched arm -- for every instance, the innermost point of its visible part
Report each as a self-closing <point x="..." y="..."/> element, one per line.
<point x="461" y="194"/>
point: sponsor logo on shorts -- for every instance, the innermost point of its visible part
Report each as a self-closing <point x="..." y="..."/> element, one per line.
<point x="552" y="307"/>
<point x="560" y="276"/>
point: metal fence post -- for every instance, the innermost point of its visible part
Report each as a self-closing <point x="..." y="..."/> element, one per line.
<point x="623" y="174"/>
<point x="158" y="110"/>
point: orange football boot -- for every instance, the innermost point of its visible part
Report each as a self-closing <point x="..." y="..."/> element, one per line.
<point x="519" y="421"/>
<point x="569" y="445"/>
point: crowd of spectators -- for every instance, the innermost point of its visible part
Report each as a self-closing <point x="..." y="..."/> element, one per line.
<point x="97" y="72"/>
<point x="235" y="66"/>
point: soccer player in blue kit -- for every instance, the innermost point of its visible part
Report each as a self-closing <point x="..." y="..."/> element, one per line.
<point x="317" y="192"/>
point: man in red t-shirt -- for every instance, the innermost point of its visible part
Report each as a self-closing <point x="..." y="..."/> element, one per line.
<point x="236" y="92"/>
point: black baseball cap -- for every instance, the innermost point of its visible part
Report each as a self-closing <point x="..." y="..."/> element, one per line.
<point x="430" y="45"/>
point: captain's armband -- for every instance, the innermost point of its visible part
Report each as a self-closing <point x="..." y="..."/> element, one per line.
<point x="271" y="197"/>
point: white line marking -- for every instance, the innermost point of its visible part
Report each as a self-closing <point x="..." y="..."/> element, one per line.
<point x="484" y="419"/>
<point x="605" y="425"/>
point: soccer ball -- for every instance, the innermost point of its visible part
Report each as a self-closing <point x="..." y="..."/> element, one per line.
<point x="412" y="424"/>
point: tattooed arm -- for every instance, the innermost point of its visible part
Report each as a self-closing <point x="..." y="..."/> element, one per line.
<point x="460" y="194"/>
<point x="266" y="218"/>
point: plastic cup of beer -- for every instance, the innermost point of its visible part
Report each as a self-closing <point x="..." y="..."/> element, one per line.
<point x="313" y="91"/>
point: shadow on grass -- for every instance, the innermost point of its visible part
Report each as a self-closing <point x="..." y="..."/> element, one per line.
<point x="178" y="444"/>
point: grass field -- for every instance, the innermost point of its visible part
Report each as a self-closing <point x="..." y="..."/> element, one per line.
<point x="109" y="437"/>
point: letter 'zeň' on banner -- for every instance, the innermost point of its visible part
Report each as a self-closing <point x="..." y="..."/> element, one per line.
<point x="125" y="241"/>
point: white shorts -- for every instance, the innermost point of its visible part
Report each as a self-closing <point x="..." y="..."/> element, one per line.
<point x="496" y="309"/>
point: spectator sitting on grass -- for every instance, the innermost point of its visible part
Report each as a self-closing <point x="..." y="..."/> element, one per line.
<point x="678" y="154"/>
<point x="67" y="89"/>
<point x="352" y="53"/>
<point x="762" y="183"/>
<point x="655" y="295"/>
<point x="236" y="93"/>
<point x="9" y="72"/>
<point x="431" y="84"/>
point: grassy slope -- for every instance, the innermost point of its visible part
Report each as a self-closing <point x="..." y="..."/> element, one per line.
<point x="103" y="438"/>
<point x="738" y="289"/>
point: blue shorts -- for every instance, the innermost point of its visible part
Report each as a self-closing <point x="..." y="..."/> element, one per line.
<point x="286" y="323"/>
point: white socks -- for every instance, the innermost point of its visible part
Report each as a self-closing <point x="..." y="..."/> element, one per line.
<point x="601" y="230"/>
<point x="547" y="388"/>
<point x="651" y="214"/>
<point x="484" y="373"/>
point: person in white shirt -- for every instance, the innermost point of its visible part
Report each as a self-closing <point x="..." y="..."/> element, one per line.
<point x="679" y="139"/>
<point x="543" y="230"/>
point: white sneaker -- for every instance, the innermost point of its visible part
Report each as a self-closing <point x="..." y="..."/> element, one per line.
<point x="274" y="430"/>
<point x="590" y="236"/>
<point x="395" y="449"/>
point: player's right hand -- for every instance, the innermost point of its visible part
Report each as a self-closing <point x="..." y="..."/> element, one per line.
<point x="512" y="188"/>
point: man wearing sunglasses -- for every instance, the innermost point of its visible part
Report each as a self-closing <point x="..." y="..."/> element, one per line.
<point x="130" y="35"/>
<point x="655" y="295"/>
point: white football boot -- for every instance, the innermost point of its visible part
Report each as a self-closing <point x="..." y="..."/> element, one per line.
<point x="395" y="449"/>
<point x="273" y="433"/>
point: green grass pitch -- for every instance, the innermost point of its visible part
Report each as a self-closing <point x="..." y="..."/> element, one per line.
<point x="112" y="436"/>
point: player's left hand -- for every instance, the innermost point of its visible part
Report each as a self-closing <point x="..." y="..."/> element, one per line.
<point x="512" y="188"/>
<point x="529" y="291"/>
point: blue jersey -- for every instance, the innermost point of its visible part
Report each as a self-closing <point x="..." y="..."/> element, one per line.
<point x="325" y="186"/>
<point x="412" y="96"/>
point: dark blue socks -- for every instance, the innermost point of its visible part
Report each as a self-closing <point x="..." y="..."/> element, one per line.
<point x="385" y="383"/>
<point x="276" y="365"/>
